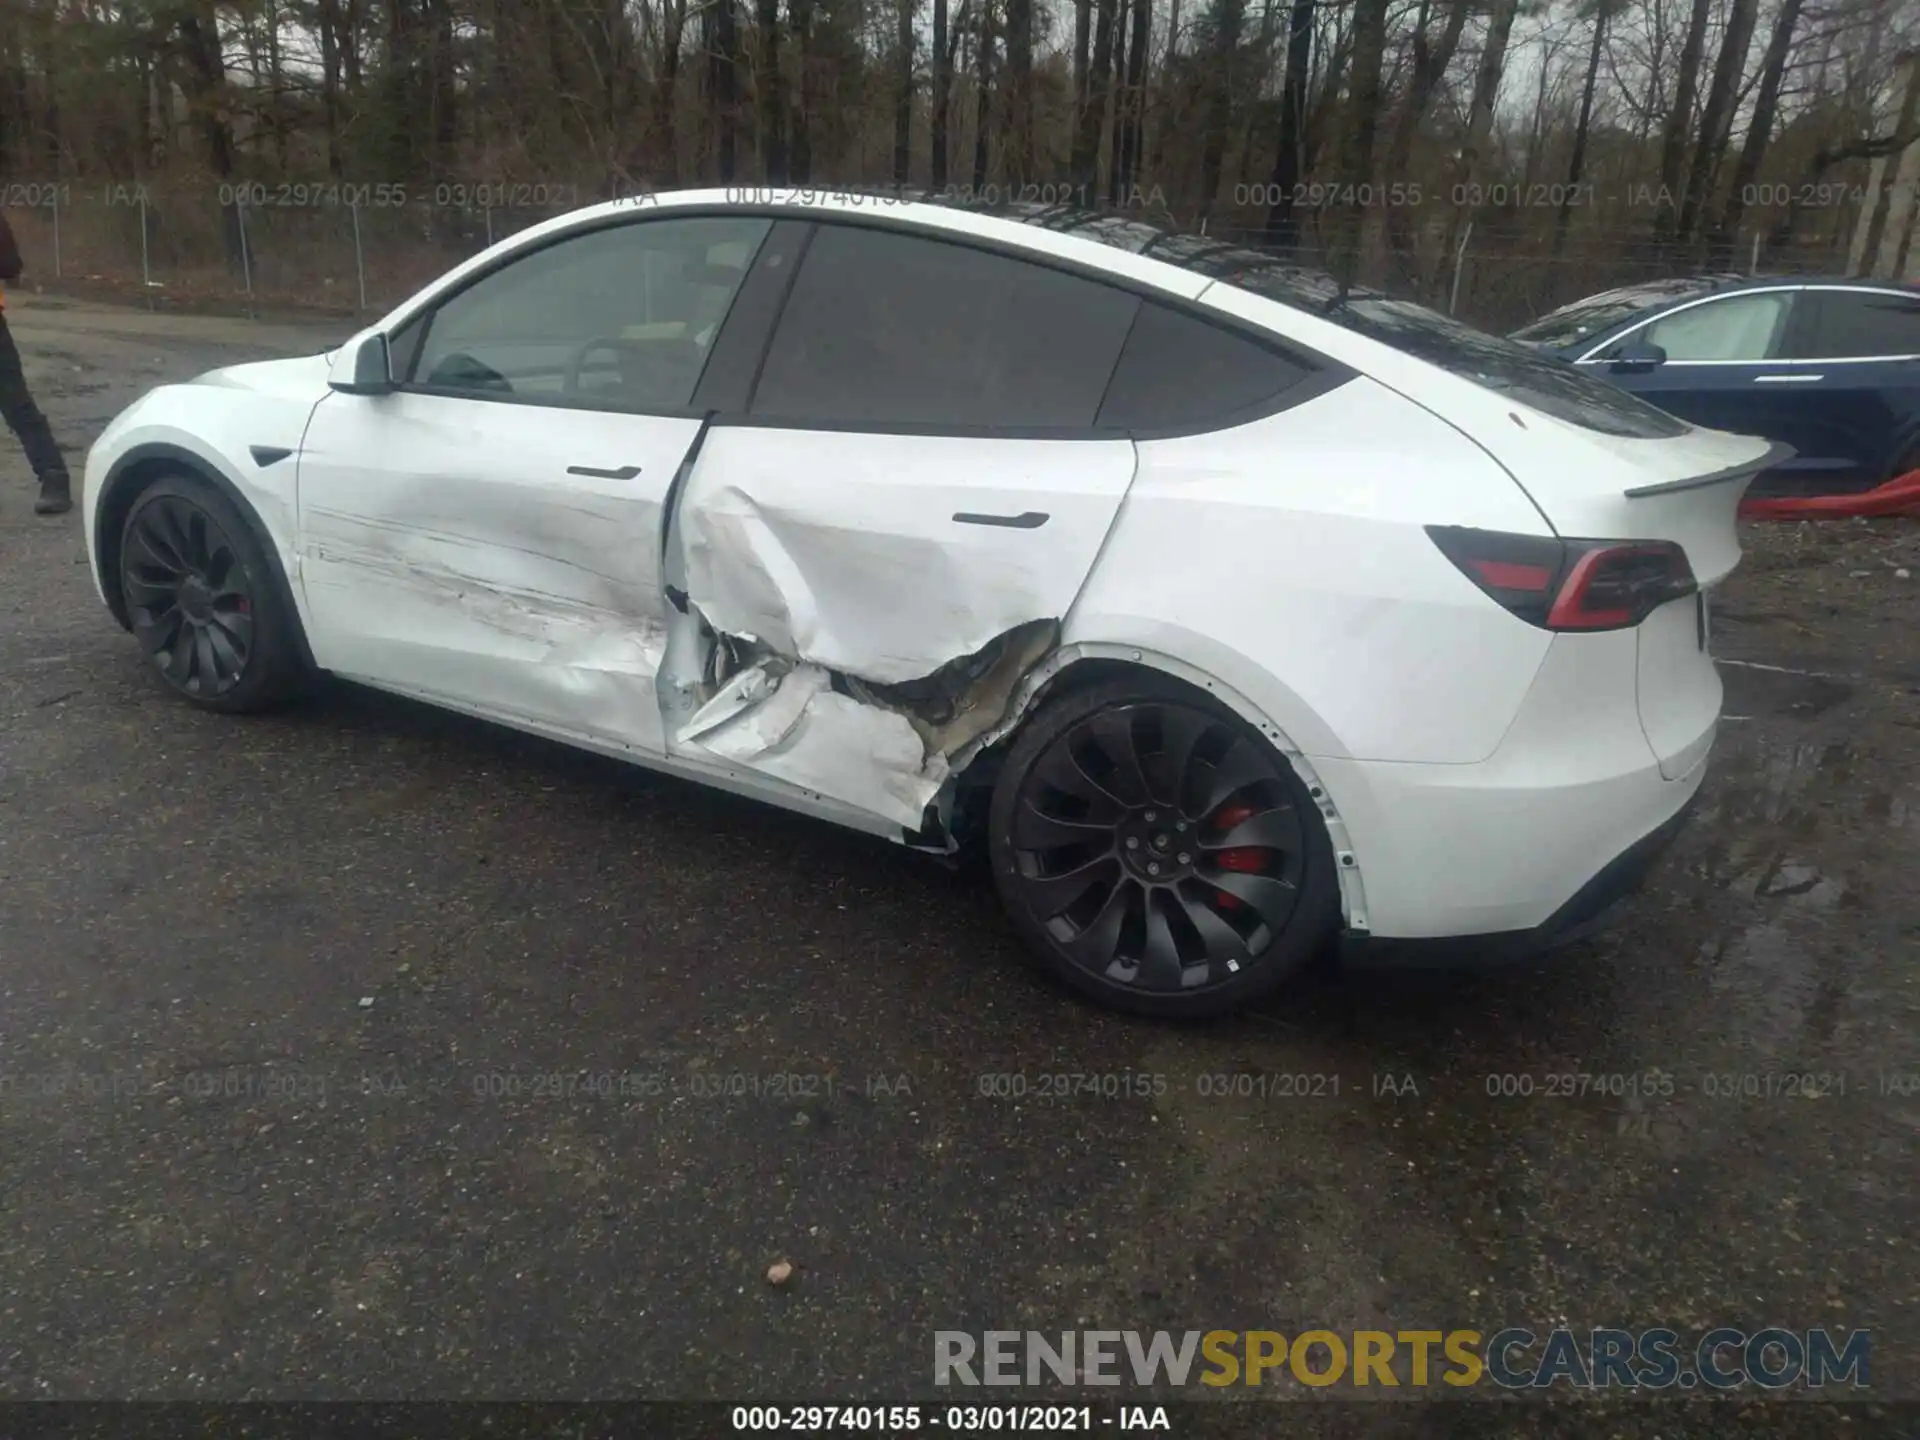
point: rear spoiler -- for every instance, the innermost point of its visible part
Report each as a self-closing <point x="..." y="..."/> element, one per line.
<point x="1746" y="470"/>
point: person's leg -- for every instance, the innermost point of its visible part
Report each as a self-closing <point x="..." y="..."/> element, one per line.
<point x="36" y="436"/>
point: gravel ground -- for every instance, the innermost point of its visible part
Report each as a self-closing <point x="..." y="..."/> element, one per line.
<point x="370" y="927"/>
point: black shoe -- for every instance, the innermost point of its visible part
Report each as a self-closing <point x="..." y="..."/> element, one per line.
<point x="56" y="498"/>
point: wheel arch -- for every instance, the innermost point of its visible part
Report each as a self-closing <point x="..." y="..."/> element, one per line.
<point x="129" y="477"/>
<point x="1082" y="664"/>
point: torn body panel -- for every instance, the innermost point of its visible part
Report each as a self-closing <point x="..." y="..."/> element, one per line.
<point x="843" y="550"/>
<point x="882" y="750"/>
<point x="789" y="724"/>
<point x="849" y="610"/>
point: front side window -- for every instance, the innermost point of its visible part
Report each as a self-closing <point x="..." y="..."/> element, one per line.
<point x="1861" y="325"/>
<point x="884" y="328"/>
<point x="1736" y="328"/>
<point x="622" y="316"/>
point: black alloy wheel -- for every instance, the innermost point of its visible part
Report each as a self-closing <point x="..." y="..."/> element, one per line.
<point x="201" y="600"/>
<point x="1158" y="853"/>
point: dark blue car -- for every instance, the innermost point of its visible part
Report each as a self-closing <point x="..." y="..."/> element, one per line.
<point x="1830" y="367"/>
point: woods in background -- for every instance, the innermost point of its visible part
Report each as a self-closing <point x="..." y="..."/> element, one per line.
<point x="1561" y="144"/>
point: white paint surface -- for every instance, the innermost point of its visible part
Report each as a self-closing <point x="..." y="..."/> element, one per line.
<point x="445" y="547"/>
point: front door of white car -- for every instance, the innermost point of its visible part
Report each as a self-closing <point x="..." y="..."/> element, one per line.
<point x="488" y="536"/>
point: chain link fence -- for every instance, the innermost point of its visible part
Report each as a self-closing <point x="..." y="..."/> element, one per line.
<point x="358" y="250"/>
<point x="335" y="249"/>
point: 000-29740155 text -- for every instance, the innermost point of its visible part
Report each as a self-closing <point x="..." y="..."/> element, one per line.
<point x="960" y="1419"/>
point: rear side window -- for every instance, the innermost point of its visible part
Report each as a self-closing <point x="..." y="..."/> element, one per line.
<point x="1861" y="324"/>
<point x="1179" y="372"/>
<point x="890" y="329"/>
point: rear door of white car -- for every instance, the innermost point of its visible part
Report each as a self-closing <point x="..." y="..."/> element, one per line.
<point x="916" y="473"/>
<point x="489" y="535"/>
<point x="917" y="470"/>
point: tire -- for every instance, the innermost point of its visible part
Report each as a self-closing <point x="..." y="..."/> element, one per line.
<point x="203" y="601"/>
<point x="1076" y="829"/>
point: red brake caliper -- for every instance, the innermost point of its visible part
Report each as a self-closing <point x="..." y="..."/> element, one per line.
<point x="1245" y="859"/>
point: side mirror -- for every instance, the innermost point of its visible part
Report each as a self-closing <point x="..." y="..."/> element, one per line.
<point x="1638" y="356"/>
<point x="364" y="366"/>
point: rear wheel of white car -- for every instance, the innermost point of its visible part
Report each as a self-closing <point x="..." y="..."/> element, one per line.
<point x="203" y="601"/>
<point x="1157" y="854"/>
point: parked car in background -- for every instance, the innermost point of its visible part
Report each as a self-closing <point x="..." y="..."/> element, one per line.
<point x="1830" y="367"/>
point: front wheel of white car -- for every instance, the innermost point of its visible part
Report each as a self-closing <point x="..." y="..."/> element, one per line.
<point x="203" y="601"/>
<point x="1157" y="854"/>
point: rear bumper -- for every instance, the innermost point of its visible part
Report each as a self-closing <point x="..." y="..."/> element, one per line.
<point x="1588" y="913"/>
<point x="1532" y="841"/>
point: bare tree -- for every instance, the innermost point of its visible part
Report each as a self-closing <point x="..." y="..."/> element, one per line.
<point x="1679" y="126"/>
<point x="1130" y="112"/>
<point x="903" y="97"/>
<point x="1766" y="103"/>
<point x="1281" y="228"/>
<point x="1907" y="125"/>
<point x="983" y="90"/>
<point x="770" y="93"/>
<point x="1116" y="92"/>
<point x="1576" y="163"/>
<point x="723" y="55"/>
<point x="800" y="156"/>
<point x="1086" y="136"/>
<point x="942" y="90"/>
<point x="1717" y="119"/>
<point x="1429" y="64"/>
<point x="1356" y="146"/>
<point x="1467" y="167"/>
<point x="1082" y="41"/>
<point x="1020" y="154"/>
<point x="1227" y="19"/>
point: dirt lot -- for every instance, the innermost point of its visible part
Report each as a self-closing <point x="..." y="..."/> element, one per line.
<point x="383" y="923"/>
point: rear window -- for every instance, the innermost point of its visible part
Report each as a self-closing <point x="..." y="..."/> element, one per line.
<point x="1531" y="377"/>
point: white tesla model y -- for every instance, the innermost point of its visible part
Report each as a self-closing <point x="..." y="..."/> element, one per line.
<point x="1233" y="614"/>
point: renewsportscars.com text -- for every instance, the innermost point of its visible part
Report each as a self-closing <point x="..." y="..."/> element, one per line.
<point x="1511" y="1359"/>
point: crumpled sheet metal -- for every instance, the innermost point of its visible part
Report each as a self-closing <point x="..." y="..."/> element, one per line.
<point x="793" y="726"/>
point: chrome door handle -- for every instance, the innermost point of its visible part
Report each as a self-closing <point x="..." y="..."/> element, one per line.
<point x="1786" y="379"/>
<point x="625" y="472"/>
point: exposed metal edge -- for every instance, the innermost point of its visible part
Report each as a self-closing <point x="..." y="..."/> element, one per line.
<point x="1776" y="455"/>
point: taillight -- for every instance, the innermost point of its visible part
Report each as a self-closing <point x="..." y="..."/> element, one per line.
<point x="1569" y="584"/>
